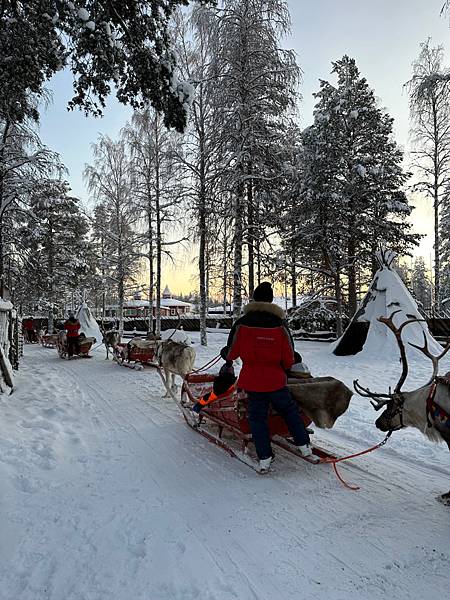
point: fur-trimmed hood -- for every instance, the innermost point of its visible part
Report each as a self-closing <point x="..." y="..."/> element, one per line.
<point x="267" y="307"/>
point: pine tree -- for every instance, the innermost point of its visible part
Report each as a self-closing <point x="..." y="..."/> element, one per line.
<point x="355" y="180"/>
<point x="56" y="238"/>
<point x="421" y="284"/>
<point x="23" y="161"/>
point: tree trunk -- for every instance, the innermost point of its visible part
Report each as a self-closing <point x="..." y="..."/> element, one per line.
<point x="338" y="297"/>
<point x="158" y="229"/>
<point x="51" y="275"/>
<point x="237" y="261"/>
<point x="202" y="210"/>
<point x="225" y="269"/>
<point x="293" y="275"/>
<point x="202" y="264"/>
<point x="151" y="273"/>
<point x="250" y="237"/>
<point x="351" y="272"/>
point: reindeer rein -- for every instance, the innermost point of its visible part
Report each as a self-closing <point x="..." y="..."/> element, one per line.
<point x="334" y="461"/>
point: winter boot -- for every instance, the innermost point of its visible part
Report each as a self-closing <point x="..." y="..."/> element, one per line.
<point x="264" y="464"/>
<point x="306" y="452"/>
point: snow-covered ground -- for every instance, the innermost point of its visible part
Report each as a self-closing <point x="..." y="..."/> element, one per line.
<point x="108" y="495"/>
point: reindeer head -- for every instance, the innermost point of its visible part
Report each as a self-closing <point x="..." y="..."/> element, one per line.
<point x="393" y="402"/>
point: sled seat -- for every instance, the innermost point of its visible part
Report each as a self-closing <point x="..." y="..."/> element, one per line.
<point x="232" y="410"/>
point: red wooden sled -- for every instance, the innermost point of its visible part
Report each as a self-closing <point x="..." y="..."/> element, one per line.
<point x="225" y="422"/>
<point x="84" y="344"/>
<point x="133" y="357"/>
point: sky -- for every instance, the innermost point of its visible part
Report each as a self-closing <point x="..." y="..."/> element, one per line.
<point x="383" y="36"/>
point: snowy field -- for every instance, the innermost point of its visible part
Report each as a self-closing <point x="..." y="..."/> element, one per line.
<point x="108" y="495"/>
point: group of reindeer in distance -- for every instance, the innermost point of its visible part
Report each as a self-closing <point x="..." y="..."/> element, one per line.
<point x="426" y="408"/>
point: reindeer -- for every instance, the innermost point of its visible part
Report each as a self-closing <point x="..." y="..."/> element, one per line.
<point x="174" y="358"/>
<point x="110" y="338"/>
<point x="427" y="408"/>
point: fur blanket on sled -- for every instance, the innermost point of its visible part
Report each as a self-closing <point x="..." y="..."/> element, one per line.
<point x="322" y="399"/>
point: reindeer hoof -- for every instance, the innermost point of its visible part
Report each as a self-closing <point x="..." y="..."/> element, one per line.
<point x="444" y="499"/>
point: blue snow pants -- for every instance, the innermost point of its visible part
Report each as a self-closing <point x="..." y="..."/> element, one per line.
<point x="258" y="409"/>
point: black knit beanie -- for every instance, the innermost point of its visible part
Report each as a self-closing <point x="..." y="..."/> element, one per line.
<point x="263" y="292"/>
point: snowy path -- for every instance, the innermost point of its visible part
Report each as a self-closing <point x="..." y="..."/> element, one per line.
<point x="108" y="495"/>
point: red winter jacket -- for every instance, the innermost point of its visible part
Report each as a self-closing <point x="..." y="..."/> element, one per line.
<point x="266" y="352"/>
<point x="72" y="328"/>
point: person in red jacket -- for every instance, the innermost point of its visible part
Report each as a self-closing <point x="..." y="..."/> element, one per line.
<point x="72" y="327"/>
<point x="263" y="342"/>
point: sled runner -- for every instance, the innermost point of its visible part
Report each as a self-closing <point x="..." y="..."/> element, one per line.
<point x="225" y="422"/>
<point x="85" y="345"/>
<point x="136" y="353"/>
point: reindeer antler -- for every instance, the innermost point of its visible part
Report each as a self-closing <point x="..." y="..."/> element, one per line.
<point x="397" y="331"/>
<point x="434" y="359"/>
<point x="366" y="393"/>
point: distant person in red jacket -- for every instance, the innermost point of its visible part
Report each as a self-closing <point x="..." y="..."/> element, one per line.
<point x="263" y="342"/>
<point x="29" y="331"/>
<point x="72" y="327"/>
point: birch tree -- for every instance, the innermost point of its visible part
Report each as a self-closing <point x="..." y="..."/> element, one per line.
<point x="199" y="154"/>
<point x="157" y="192"/>
<point x="110" y="181"/>
<point x="430" y="132"/>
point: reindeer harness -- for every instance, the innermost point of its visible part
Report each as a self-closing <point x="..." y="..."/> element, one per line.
<point x="437" y="412"/>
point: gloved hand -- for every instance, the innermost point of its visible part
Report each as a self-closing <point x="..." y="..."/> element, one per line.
<point x="197" y="408"/>
<point x="227" y="368"/>
<point x="297" y="357"/>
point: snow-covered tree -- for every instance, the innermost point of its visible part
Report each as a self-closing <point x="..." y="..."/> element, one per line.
<point x="199" y="154"/>
<point x="55" y="234"/>
<point x="430" y="129"/>
<point x="255" y="89"/>
<point x="420" y="284"/>
<point x="156" y="191"/>
<point x="354" y="178"/>
<point x="107" y="44"/>
<point x="23" y="161"/>
<point x="110" y="180"/>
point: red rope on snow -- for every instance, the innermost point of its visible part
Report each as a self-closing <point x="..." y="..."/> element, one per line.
<point x="334" y="461"/>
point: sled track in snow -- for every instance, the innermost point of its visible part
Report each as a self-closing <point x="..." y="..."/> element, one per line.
<point x="146" y="508"/>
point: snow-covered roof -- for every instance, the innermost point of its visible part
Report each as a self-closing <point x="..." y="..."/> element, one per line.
<point x="167" y="302"/>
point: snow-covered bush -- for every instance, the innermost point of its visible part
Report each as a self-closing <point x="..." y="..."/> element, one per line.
<point x="314" y="314"/>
